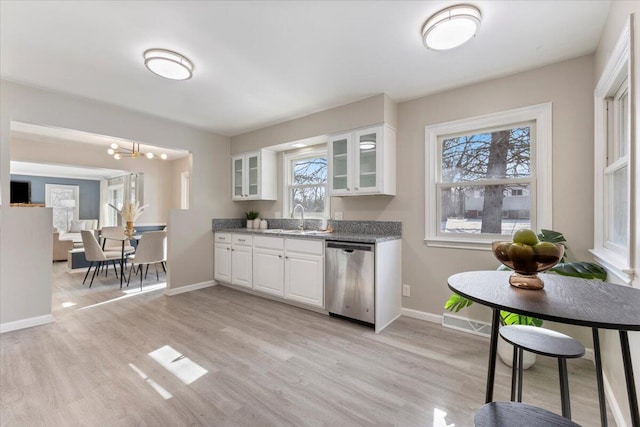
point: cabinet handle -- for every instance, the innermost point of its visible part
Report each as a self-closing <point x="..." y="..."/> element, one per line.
<point x="241" y="240"/>
<point x="348" y="189"/>
<point x="232" y="250"/>
<point x="357" y="188"/>
<point x="280" y="256"/>
<point x="286" y="257"/>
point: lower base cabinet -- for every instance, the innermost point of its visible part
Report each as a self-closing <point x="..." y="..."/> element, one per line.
<point x="268" y="265"/>
<point x="241" y="261"/>
<point x="304" y="278"/>
<point x="288" y="268"/>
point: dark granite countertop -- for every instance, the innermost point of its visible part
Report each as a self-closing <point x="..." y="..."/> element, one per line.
<point x="315" y="235"/>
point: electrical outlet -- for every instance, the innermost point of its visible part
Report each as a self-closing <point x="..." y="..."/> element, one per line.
<point x="337" y="215"/>
<point x="406" y="290"/>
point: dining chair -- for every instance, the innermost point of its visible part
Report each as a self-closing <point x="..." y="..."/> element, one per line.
<point x="112" y="239"/>
<point x="94" y="254"/>
<point x="152" y="249"/>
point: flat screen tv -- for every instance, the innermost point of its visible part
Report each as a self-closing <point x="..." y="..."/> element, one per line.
<point x="20" y="192"/>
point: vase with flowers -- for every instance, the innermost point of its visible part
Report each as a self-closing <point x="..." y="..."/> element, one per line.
<point x="130" y="212"/>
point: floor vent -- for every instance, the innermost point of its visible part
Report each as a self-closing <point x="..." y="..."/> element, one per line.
<point x="466" y="325"/>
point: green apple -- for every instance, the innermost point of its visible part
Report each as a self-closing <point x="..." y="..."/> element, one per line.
<point x="546" y="252"/>
<point x="522" y="257"/>
<point x="525" y="236"/>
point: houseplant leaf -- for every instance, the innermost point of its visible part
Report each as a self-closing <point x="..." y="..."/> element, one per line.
<point x="456" y="303"/>
<point x="583" y="270"/>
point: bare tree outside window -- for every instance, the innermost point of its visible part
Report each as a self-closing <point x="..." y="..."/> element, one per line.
<point x="485" y="181"/>
<point x="308" y="184"/>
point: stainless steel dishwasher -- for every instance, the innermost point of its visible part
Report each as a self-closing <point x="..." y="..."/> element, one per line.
<point x="350" y="281"/>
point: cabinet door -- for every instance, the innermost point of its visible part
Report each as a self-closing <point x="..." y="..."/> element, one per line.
<point x="340" y="164"/>
<point x="268" y="271"/>
<point x="252" y="162"/>
<point x="222" y="264"/>
<point x="304" y="279"/>
<point x="367" y="151"/>
<point x="237" y="186"/>
<point x="241" y="265"/>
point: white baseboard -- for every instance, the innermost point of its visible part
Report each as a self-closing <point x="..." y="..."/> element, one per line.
<point x="26" y="323"/>
<point x="614" y="406"/>
<point x="422" y="315"/>
<point x="189" y="288"/>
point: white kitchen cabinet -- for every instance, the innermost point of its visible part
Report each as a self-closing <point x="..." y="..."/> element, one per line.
<point x="304" y="271"/>
<point x="222" y="257"/>
<point x="363" y="162"/>
<point x="268" y="265"/>
<point x="254" y="176"/>
<point x="241" y="260"/>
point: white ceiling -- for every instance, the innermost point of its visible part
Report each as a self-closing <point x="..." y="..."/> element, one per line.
<point x="262" y="62"/>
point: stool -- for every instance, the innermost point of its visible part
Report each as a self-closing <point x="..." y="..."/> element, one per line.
<point x="547" y="343"/>
<point x="508" y="414"/>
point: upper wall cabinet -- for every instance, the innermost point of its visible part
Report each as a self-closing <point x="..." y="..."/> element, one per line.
<point x="363" y="162"/>
<point x="254" y="176"/>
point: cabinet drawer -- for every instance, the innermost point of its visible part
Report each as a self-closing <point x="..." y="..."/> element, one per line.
<point x="223" y="237"/>
<point x="313" y="247"/>
<point x="242" y="239"/>
<point x="268" y="242"/>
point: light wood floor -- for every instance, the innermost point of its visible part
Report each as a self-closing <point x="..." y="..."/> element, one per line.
<point x="268" y="364"/>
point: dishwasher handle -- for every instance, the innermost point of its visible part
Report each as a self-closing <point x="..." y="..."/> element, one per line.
<point x="350" y="247"/>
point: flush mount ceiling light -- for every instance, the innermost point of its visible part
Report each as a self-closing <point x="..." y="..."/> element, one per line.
<point x="451" y="27"/>
<point x="168" y="64"/>
<point x="119" y="152"/>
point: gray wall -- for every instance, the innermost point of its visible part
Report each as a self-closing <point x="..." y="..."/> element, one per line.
<point x="88" y="198"/>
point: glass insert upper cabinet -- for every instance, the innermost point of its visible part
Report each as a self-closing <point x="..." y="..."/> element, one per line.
<point x="254" y="176"/>
<point x="363" y="161"/>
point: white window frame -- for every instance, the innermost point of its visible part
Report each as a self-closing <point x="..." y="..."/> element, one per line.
<point x="615" y="258"/>
<point x="541" y="171"/>
<point x="289" y="158"/>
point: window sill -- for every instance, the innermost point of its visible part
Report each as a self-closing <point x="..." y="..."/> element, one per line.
<point x="477" y="245"/>
<point x="614" y="264"/>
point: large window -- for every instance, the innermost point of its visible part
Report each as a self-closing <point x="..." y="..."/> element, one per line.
<point x="488" y="177"/>
<point x="127" y="187"/>
<point x="613" y="224"/>
<point x="306" y="183"/>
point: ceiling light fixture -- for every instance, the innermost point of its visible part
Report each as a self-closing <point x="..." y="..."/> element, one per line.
<point x="119" y="152"/>
<point x="168" y="64"/>
<point x="451" y="27"/>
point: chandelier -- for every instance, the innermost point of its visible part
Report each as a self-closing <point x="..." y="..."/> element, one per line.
<point x="119" y="152"/>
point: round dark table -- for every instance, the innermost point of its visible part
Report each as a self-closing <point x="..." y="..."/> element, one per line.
<point x="591" y="303"/>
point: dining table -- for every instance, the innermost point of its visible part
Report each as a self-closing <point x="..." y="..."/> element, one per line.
<point x="570" y="300"/>
<point x="123" y="239"/>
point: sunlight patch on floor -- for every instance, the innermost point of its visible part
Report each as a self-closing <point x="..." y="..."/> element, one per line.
<point x="178" y="364"/>
<point x="128" y="294"/>
<point x="68" y="304"/>
<point x="147" y="288"/>
<point x="157" y="387"/>
<point x="439" y="419"/>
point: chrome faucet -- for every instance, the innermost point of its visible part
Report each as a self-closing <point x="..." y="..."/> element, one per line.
<point x="293" y="212"/>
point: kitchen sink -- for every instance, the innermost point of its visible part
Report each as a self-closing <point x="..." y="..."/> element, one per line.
<point x="295" y="232"/>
